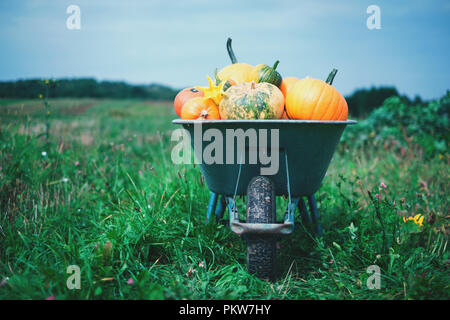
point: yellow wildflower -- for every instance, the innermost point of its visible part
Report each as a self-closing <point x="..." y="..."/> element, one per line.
<point x="418" y="219"/>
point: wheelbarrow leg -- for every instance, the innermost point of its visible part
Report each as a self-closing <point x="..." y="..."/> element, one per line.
<point x="220" y="209"/>
<point x="211" y="206"/>
<point x="303" y="211"/>
<point x="315" y="214"/>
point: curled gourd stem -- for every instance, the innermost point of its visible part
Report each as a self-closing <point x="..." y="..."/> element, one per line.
<point x="230" y="51"/>
<point x="331" y="76"/>
<point x="275" y="65"/>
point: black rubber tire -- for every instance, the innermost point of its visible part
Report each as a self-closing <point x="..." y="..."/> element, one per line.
<point x="261" y="208"/>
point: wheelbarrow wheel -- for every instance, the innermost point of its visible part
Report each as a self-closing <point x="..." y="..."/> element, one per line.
<point x="261" y="208"/>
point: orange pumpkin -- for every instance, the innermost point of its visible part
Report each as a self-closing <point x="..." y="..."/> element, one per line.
<point x="183" y="96"/>
<point x="314" y="99"/>
<point x="200" y="109"/>
<point x="287" y="84"/>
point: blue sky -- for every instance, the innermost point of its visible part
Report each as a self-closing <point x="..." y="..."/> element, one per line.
<point x="178" y="42"/>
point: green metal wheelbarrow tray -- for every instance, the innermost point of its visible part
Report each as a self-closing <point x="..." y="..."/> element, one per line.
<point x="305" y="149"/>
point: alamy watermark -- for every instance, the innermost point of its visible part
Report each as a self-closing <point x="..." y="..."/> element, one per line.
<point x="73" y="22"/>
<point x="231" y="146"/>
<point x="374" y="20"/>
<point x="374" y="281"/>
<point x="74" y="280"/>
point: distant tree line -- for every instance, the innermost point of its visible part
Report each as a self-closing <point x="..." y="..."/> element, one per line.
<point x="364" y="101"/>
<point x="360" y="103"/>
<point x="86" y="87"/>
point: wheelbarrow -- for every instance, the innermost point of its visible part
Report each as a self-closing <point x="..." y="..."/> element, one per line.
<point x="304" y="151"/>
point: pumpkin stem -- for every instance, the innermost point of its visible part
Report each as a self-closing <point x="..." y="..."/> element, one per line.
<point x="230" y="51"/>
<point x="331" y="76"/>
<point x="253" y="85"/>
<point x="203" y="115"/>
<point x="275" y="65"/>
<point x="216" y="77"/>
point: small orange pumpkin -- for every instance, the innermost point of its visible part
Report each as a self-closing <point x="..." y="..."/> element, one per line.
<point x="183" y="96"/>
<point x="200" y="109"/>
<point x="314" y="99"/>
<point x="287" y="84"/>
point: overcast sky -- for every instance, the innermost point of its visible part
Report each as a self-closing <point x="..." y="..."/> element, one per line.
<point x="178" y="42"/>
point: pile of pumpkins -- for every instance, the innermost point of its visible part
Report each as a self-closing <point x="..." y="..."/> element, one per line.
<point x="241" y="91"/>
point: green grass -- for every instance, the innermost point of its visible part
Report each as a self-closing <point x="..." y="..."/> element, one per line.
<point x="106" y="197"/>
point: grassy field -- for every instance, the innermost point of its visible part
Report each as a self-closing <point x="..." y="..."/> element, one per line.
<point x="103" y="194"/>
